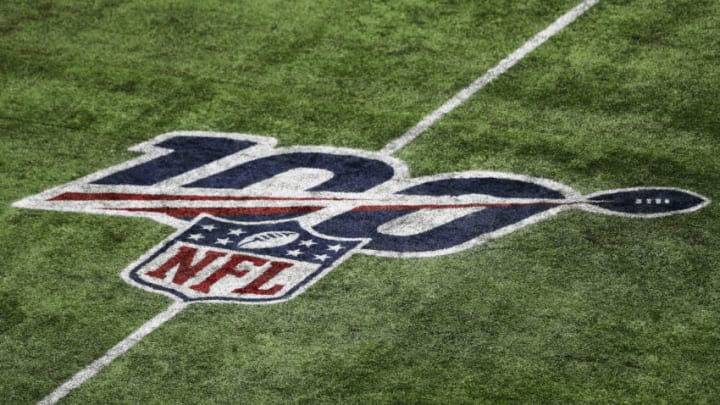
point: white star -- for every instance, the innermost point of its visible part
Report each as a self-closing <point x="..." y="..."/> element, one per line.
<point x="335" y="248"/>
<point x="294" y="253"/>
<point x="223" y="241"/>
<point x="209" y="228"/>
<point x="322" y="258"/>
<point x="236" y="232"/>
<point x="196" y="236"/>
<point x="308" y="243"/>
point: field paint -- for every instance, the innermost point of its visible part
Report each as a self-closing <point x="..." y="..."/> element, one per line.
<point x="462" y="96"/>
<point x="119" y="349"/>
<point x="497" y="70"/>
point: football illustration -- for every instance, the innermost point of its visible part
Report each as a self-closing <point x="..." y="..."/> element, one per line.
<point x="271" y="239"/>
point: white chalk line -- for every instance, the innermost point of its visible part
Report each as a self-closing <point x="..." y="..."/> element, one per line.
<point x="392" y="147"/>
<point x="497" y="70"/>
<point x="118" y="350"/>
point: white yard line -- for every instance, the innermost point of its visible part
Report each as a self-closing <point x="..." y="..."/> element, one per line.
<point x="464" y="94"/>
<point x="119" y="349"/>
<point x="489" y="76"/>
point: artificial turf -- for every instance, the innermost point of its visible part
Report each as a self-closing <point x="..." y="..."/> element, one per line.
<point x="581" y="308"/>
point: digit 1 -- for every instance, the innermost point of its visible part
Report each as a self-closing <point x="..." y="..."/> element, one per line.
<point x="188" y="153"/>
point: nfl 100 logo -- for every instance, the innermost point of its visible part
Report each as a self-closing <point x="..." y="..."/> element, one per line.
<point x="259" y="224"/>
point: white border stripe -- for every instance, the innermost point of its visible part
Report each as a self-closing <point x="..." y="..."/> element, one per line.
<point x="489" y="76"/>
<point x="119" y="349"/>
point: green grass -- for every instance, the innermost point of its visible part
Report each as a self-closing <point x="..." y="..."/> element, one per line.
<point x="582" y="308"/>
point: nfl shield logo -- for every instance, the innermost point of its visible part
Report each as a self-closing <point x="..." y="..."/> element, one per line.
<point x="228" y="261"/>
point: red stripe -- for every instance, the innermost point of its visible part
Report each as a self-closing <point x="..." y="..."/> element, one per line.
<point x="451" y="206"/>
<point x="73" y="196"/>
<point x="223" y="212"/>
<point x="183" y="212"/>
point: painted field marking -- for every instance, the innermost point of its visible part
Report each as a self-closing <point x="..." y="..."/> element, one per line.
<point x="118" y="350"/>
<point x="392" y="147"/>
<point x="494" y="72"/>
